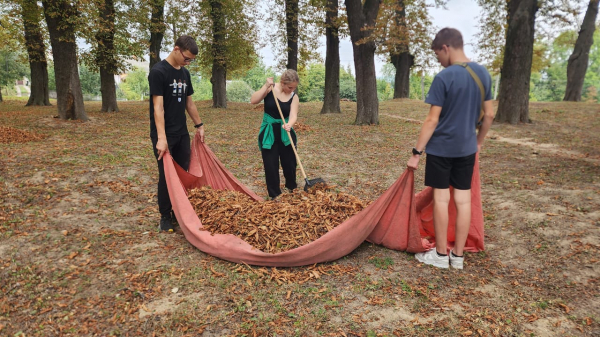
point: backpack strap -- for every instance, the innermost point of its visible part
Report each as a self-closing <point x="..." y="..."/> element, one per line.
<point x="479" y="84"/>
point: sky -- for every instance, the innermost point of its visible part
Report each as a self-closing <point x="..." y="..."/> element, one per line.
<point x="460" y="14"/>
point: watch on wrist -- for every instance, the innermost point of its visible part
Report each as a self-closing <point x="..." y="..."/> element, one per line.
<point x="416" y="152"/>
<point x="199" y="125"/>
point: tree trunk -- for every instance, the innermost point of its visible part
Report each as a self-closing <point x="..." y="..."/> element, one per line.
<point x="1" y="100"/>
<point x="219" y="67"/>
<point x="36" y="50"/>
<point x="157" y="30"/>
<point x="291" y="25"/>
<point x="402" y="62"/>
<point x="331" y="101"/>
<point x="578" y="61"/>
<point x="106" y="56"/>
<point x="513" y="105"/>
<point x="496" y="86"/>
<point x="59" y="17"/>
<point x="359" y="17"/>
<point x="400" y="55"/>
<point x="422" y="85"/>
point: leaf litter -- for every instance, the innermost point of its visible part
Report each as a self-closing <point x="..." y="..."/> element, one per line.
<point x="290" y="221"/>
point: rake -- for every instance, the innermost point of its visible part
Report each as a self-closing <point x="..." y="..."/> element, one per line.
<point x="309" y="182"/>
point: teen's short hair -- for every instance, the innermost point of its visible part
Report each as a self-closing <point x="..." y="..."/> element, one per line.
<point x="289" y="76"/>
<point x="448" y="36"/>
<point x="187" y="43"/>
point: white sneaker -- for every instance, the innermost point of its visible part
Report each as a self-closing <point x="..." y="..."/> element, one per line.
<point x="455" y="261"/>
<point x="432" y="258"/>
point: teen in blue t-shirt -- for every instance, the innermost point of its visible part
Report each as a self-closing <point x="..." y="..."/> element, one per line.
<point x="450" y="139"/>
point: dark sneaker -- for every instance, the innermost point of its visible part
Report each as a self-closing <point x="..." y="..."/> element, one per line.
<point x="174" y="219"/>
<point x="166" y="224"/>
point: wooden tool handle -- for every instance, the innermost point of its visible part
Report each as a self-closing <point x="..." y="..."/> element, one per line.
<point x="289" y="134"/>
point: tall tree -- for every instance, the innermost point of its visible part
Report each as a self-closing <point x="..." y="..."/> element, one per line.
<point x="400" y="55"/>
<point x="105" y="55"/>
<point x="361" y="20"/>
<point x="513" y="106"/>
<point x="219" y="67"/>
<point x="578" y="61"/>
<point x="230" y="37"/>
<point x="403" y="34"/>
<point x="331" y="101"/>
<point x="291" y="25"/>
<point x="296" y="37"/>
<point x="31" y="14"/>
<point x="157" y="30"/>
<point x="61" y="18"/>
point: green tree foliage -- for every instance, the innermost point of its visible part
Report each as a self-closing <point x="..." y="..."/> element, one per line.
<point x="12" y="67"/>
<point x="347" y="85"/>
<point x="549" y="82"/>
<point x="202" y="88"/>
<point x="384" y="90"/>
<point x="420" y="82"/>
<point x="135" y="85"/>
<point x="312" y="83"/>
<point x="239" y="91"/>
<point x="554" y="16"/>
<point x="90" y="80"/>
<point x="257" y="75"/>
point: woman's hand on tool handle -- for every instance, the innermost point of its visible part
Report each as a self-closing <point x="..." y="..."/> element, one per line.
<point x="270" y="82"/>
<point x="287" y="127"/>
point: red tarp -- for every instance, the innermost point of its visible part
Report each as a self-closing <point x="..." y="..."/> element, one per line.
<point x="398" y="219"/>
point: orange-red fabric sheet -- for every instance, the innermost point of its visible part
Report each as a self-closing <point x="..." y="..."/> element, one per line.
<point x="398" y="219"/>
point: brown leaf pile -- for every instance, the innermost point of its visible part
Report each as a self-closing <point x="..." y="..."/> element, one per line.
<point x="290" y="221"/>
<point x="299" y="126"/>
<point x="12" y="135"/>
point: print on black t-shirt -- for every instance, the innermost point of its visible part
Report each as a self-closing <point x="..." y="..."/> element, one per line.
<point x="174" y="85"/>
<point x="178" y="88"/>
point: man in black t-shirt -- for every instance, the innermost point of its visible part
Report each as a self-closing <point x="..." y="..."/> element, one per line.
<point x="170" y="96"/>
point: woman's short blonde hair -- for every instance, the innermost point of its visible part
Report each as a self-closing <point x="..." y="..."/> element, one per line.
<point x="289" y="76"/>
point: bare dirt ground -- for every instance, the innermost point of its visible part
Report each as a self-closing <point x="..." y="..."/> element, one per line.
<point x="80" y="254"/>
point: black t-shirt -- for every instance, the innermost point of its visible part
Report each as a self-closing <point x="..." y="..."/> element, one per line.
<point x="174" y="85"/>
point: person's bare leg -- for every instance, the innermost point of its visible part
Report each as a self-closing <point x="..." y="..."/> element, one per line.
<point x="441" y="199"/>
<point x="462" y="201"/>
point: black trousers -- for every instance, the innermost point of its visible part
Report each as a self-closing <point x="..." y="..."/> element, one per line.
<point x="180" y="149"/>
<point x="271" y="158"/>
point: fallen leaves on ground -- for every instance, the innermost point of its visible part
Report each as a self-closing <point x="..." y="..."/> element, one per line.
<point x="290" y="221"/>
<point x="12" y="135"/>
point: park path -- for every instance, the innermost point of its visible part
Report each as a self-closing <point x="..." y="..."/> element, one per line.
<point x="537" y="147"/>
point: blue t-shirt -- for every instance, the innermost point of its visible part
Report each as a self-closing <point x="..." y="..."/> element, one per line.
<point x="460" y="98"/>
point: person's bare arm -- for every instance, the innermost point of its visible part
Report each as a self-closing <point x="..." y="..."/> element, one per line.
<point x="293" y="114"/>
<point x="159" y="120"/>
<point x="261" y="93"/>
<point x="427" y="130"/>
<point x="193" y="113"/>
<point x="488" y="119"/>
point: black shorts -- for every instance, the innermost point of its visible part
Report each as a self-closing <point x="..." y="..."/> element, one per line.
<point x="441" y="172"/>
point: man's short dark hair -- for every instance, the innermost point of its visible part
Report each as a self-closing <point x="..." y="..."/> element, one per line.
<point x="448" y="36"/>
<point x="187" y="43"/>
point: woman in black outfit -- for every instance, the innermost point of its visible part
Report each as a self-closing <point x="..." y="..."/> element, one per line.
<point x="274" y="142"/>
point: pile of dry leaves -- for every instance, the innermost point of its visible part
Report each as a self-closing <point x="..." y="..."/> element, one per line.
<point x="290" y="221"/>
<point x="12" y="135"/>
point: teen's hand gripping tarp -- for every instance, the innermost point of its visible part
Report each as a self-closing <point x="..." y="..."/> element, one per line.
<point x="398" y="219"/>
